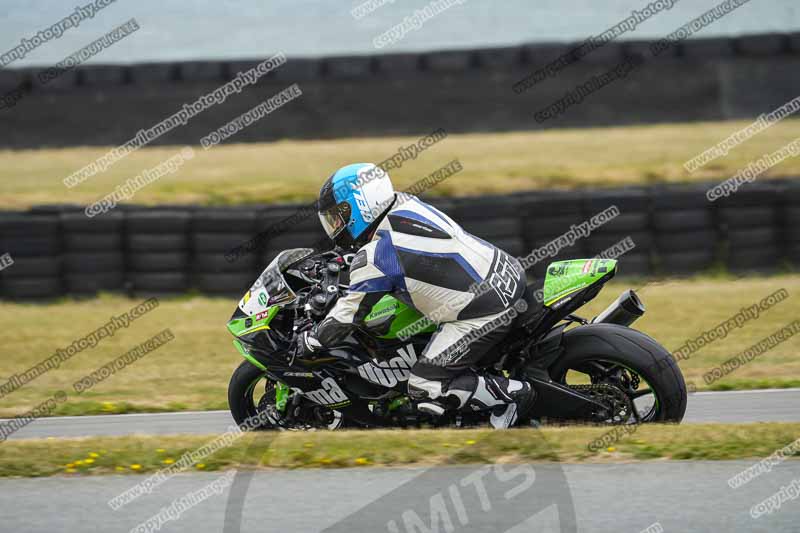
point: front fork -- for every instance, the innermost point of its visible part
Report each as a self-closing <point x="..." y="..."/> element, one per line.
<point x="281" y="396"/>
<point x="281" y="389"/>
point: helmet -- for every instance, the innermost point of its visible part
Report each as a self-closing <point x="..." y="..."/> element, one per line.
<point x="352" y="203"/>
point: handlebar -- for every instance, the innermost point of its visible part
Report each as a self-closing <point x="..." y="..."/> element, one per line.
<point x="326" y="289"/>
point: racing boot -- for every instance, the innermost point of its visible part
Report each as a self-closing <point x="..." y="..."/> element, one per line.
<point x="509" y="400"/>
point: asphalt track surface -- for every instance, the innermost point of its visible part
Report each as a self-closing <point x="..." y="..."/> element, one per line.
<point x="568" y="498"/>
<point x="680" y="496"/>
<point x="778" y="405"/>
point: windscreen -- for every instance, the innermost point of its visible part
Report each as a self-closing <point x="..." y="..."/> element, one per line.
<point x="271" y="288"/>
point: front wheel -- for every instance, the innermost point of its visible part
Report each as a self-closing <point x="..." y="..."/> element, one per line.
<point x="249" y="391"/>
<point x="625" y="368"/>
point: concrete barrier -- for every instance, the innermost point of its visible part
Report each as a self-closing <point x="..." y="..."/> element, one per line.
<point x="408" y="93"/>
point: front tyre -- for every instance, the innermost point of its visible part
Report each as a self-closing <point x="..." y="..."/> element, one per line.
<point x="251" y="393"/>
<point x="248" y="392"/>
<point x="630" y="361"/>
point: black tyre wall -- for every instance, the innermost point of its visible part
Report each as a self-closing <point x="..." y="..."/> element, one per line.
<point x="633" y="223"/>
<point x="748" y="220"/>
<point x="157" y="250"/>
<point x="676" y="230"/>
<point x="635" y="350"/>
<point x="214" y="234"/>
<point x="686" y="236"/>
<point x="94" y="258"/>
<point x="33" y="241"/>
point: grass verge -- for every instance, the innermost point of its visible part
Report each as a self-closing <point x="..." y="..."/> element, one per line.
<point x="192" y="371"/>
<point x="144" y="454"/>
<point x="493" y="163"/>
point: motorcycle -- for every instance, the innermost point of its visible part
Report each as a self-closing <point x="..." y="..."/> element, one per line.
<point x="598" y="371"/>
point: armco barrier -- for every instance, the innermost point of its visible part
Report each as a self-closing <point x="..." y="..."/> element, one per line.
<point x="407" y="93"/>
<point x="676" y="231"/>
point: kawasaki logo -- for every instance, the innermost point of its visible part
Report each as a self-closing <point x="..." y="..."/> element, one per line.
<point x="391" y="372"/>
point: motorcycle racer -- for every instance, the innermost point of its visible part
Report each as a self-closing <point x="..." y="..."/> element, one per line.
<point x="418" y="254"/>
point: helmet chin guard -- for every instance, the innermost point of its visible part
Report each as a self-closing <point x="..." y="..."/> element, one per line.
<point x="352" y="201"/>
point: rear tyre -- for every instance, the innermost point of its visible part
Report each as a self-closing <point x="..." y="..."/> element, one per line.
<point x="613" y="354"/>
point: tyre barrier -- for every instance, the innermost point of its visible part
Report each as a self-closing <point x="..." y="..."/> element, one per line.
<point x="214" y="233"/>
<point x="496" y="221"/>
<point x="790" y="222"/>
<point x="56" y="250"/>
<point x="685" y="231"/>
<point x="33" y="243"/>
<point x="749" y="225"/>
<point x="546" y="217"/>
<point x="94" y="258"/>
<point x="633" y="222"/>
<point x="157" y="250"/>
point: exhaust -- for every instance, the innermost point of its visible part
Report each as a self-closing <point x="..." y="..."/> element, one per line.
<point x="624" y="311"/>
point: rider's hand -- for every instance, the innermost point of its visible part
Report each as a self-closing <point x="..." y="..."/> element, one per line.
<point x="305" y="345"/>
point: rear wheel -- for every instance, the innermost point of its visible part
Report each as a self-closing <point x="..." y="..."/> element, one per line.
<point x="626" y="369"/>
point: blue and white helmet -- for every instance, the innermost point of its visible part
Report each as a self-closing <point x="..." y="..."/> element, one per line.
<point x="354" y="198"/>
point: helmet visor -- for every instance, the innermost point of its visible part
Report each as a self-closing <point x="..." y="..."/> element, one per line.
<point x="335" y="219"/>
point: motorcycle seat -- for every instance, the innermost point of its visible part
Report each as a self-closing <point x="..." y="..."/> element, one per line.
<point x="535" y="307"/>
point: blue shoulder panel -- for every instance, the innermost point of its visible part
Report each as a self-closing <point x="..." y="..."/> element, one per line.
<point x="387" y="261"/>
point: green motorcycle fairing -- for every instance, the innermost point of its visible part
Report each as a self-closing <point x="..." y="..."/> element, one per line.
<point x="565" y="278"/>
<point x="259" y="305"/>
<point x="402" y="316"/>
